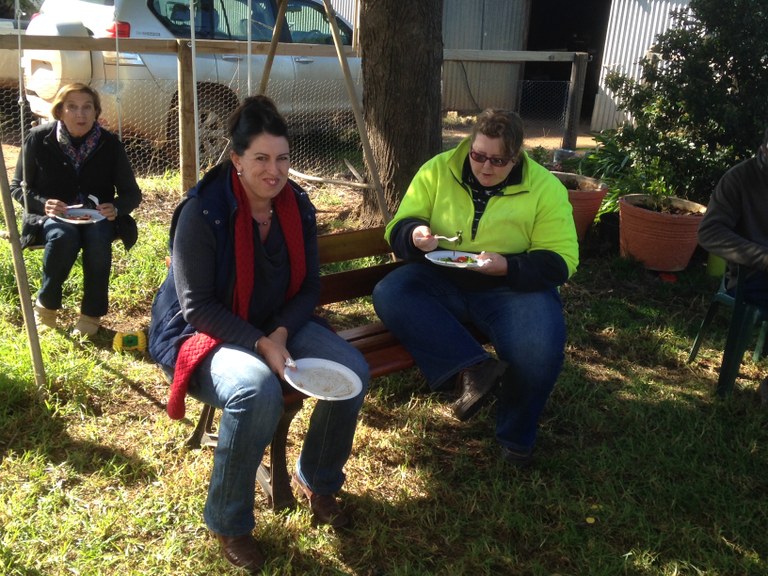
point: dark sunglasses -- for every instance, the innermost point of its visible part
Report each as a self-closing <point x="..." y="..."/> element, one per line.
<point x="482" y="159"/>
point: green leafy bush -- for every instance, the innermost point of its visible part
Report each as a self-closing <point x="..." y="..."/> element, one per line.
<point x="699" y="107"/>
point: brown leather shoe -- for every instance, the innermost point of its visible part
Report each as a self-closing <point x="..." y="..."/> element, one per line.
<point x="325" y="508"/>
<point x="242" y="551"/>
<point x="474" y="385"/>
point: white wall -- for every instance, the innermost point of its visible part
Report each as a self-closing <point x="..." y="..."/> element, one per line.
<point x="632" y="28"/>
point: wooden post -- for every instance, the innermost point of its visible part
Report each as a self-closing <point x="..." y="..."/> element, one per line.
<point x="367" y="151"/>
<point x="278" y="29"/>
<point x="187" y="159"/>
<point x="22" y="281"/>
<point x="575" y="97"/>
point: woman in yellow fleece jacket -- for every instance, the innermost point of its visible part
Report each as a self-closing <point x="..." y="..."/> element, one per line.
<point x="513" y="215"/>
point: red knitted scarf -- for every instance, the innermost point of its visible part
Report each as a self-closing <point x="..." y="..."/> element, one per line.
<point x="196" y="348"/>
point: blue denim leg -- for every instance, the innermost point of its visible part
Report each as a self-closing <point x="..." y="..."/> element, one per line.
<point x="63" y="242"/>
<point x="425" y="312"/>
<point x="328" y="442"/>
<point x="62" y="245"/>
<point x="527" y="330"/>
<point x="97" y="265"/>
<point x="249" y="395"/>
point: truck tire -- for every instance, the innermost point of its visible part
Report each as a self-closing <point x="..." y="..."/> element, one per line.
<point x="215" y="103"/>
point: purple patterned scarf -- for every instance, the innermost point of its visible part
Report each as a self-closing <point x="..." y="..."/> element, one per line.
<point x="78" y="155"/>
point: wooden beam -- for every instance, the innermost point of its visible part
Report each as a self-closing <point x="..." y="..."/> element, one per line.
<point x="10" y="42"/>
<point x="507" y="56"/>
<point x="187" y="123"/>
<point x="575" y="98"/>
<point x="370" y="161"/>
<point x="22" y="281"/>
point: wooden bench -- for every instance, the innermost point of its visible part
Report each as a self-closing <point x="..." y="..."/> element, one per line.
<point x="385" y="355"/>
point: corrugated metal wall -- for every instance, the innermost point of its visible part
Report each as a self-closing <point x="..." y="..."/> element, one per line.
<point x="346" y="9"/>
<point x="632" y="28"/>
<point x="483" y="25"/>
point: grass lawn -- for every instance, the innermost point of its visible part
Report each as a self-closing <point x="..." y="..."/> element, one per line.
<point x="639" y="469"/>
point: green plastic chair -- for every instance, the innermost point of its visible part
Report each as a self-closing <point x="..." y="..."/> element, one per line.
<point x="744" y="318"/>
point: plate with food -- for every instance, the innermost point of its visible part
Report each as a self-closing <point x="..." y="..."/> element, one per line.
<point x="81" y="216"/>
<point x="323" y="379"/>
<point x="453" y="258"/>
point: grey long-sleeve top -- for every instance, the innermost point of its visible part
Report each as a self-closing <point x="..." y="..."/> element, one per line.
<point x="197" y="294"/>
<point x="735" y="226"/>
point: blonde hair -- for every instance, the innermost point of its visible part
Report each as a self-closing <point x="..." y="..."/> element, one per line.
<point x="65" y="91"/>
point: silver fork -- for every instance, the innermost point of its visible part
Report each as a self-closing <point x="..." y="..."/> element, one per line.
<point x="451" y="239"/>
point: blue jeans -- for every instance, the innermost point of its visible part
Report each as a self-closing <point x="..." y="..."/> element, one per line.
<point x="428" y="314"/>
<point x="63" y="242"/>
<point x="238" y="382"/>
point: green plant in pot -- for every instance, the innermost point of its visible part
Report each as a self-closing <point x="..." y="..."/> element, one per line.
<point x="656" y="227"/>
<point x="697" y="109"/>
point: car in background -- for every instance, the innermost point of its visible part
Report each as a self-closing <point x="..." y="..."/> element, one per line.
<point x="9" y="59"/>
<point x="139" y="91"/>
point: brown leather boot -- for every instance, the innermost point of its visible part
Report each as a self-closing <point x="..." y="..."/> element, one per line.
<point x="325" y="508"/>
<point x="241" y="551"/>
<point x="474" y="385"/>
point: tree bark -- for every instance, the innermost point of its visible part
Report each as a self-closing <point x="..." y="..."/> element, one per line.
<point x="402" y="55"/>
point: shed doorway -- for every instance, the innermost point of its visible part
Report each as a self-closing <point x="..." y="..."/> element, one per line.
<point x="573" y="27"/>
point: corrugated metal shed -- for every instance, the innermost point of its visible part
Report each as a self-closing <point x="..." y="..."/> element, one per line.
<point x="483" y="25"/>
<point x="632" y="28"/>
<point x="347" y="9"/>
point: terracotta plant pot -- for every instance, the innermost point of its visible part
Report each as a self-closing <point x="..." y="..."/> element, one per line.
<point x="586" y="195"/>
<point x="660" y="241"/>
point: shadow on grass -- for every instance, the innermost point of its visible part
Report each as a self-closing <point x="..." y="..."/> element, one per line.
<point x="29" y="424"/>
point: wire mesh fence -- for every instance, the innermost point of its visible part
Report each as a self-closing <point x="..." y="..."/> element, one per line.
<point x="323" y="128"/>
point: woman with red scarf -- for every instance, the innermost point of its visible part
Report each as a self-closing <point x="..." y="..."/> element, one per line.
<point x="236" y="306"/>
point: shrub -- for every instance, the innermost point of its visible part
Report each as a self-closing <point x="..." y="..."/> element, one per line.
<point x="699" y="107"/>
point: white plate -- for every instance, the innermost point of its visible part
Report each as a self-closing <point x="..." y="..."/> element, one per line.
<point x="439" y="258"/>
<point x="95" y="216"/>
<point x="323" y="379"/>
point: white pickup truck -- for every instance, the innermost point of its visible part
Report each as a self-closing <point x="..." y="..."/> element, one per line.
<point x="139" y="91"/>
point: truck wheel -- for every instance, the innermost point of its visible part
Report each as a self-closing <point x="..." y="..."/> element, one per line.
<point x="214" y="106"/>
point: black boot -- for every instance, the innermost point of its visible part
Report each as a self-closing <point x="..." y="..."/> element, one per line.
<point x="474" y="385"/>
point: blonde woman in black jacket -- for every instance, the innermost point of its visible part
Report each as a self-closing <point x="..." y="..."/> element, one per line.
<point x="74" y="163"/>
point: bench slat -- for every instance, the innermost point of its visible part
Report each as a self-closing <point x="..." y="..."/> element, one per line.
<point x="340" y="286"/>
<point x="351" y="245"/>
<point x="359" y="332"/>
<point x="389" y="360"/>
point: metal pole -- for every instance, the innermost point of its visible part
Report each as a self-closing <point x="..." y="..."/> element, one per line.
<point x="367" y="151"/>
<point x="249" y="39"/>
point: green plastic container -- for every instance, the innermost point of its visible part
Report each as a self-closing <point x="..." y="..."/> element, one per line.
<point x="715" y="265"/>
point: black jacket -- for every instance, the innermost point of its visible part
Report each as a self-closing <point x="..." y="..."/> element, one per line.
<point x="106" y="174"/>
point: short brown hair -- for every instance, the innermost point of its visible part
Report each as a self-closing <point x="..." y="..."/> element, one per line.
<point x="66" y="90"/>
<point x="504" y="124"/>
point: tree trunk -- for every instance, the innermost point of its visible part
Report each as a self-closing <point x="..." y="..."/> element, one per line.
<point x="402" y="55"/>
